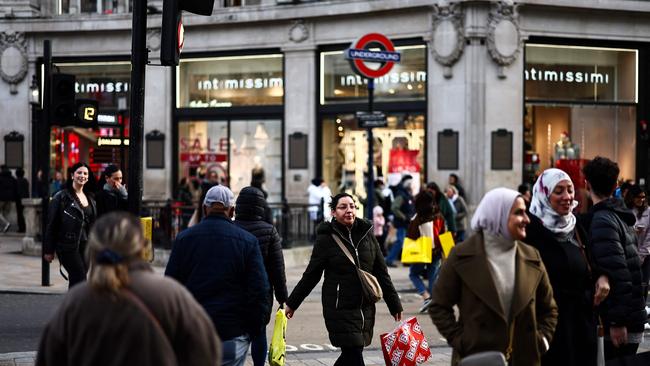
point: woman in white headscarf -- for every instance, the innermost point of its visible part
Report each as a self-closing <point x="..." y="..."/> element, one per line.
<point x="553" y="231"/>
<point x="504" y="298"/>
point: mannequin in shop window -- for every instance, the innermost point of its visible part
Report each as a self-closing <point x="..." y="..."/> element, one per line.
<point x="565" y="149"/>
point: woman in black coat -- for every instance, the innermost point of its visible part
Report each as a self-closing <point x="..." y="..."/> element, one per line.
<point x="348" y="317"/>
<point x="250" y="214"/>
<point x="577" y="286"/>
<point x="70" y="215"/>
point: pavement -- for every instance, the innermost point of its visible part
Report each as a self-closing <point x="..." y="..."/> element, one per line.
<point x="22" y="274"/>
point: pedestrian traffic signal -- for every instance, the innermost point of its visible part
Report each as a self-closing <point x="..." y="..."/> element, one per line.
<point x="87" y="113"/>
<point x="172" y="33"/>
<point x="62" y="106"/>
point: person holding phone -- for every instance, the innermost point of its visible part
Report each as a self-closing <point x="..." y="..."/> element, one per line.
<point x="113" y="195"/>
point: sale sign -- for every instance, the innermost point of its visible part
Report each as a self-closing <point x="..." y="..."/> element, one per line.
<point x="402" y="160"/>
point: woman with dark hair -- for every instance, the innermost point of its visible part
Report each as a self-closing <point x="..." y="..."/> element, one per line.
<point x="427" y="222"/>
<point x="455" y="181"/>
<point x="445" y="207"/>
<point x="348" y="317"/>
<point x="126" y="314"/>
<point x="112" y="196"/>
<point x="636" y="200"/>
<point x="71" y="213"/>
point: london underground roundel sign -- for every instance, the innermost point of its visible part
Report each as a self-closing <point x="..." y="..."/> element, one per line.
<point x="361" y="51"/>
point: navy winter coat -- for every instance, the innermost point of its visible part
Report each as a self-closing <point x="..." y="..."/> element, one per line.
<point x="221" y="265"/>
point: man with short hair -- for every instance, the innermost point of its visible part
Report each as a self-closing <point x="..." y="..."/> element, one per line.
<point x="8" y="196"/>
<point x="613" y="248"/>
<point x="221" y="265"/>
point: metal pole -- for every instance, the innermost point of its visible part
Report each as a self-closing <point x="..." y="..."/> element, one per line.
<point x="139" y="55"/>
<point x="370" y="187"/>
<point x="44" y="156"/>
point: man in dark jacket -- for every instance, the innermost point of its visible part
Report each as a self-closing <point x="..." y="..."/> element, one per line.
<point x="403" y="210"/>
<point x="614" y="252"/>
<point x="221" y="265"/>
<point x="8" y="196"/>
<point x="113" y="195"/>
<point x="250" y="212"/>
<point x="22" y="186"/>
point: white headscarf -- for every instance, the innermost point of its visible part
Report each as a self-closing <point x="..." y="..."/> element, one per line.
<point x="541" y="207"/>
<point x="493" y="212"/>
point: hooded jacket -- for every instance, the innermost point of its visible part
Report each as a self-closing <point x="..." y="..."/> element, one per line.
<point x="613" y="242"/>
<point x="250" y="213"/>
<point x="348" y="318"/>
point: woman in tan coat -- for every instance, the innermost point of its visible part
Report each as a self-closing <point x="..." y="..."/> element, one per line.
<point x="126" y="314"/>
<point x="500" y="286"/>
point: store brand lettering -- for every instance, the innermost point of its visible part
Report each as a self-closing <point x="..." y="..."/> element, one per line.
<point x="566" y="76"/>
<point x="391" y="78"/>
<point x="249" y="83"/>
<point x="110" y="87"/>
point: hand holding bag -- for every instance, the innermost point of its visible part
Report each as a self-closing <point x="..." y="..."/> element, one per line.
<point x="278" y="347"/>
<point x="370" y="287"/>
<point x="405" y="345"/>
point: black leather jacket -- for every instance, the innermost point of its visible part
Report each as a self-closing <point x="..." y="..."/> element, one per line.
<point x="65" y="222"/>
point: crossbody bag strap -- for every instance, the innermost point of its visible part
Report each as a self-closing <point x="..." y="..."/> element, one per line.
<point x="145" y="309"/>
<point x="344" y="249"/>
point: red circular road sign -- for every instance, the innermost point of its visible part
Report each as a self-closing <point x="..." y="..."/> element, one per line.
<point x="366" y="42"/>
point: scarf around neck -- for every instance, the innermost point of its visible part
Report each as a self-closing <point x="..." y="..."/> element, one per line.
<point x="540" y="206"/>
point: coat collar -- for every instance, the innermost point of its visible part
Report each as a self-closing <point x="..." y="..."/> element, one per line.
<point x="472" y="266"/>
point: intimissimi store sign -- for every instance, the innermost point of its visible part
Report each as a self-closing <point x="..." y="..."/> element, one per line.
<point x="568" y="73"/>
<point x="407" y="80"/>
<point x="106" y="82"/>
<point x="230" y="81"/>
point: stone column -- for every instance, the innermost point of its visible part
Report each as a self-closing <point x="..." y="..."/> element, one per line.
<point x="32" y="240"/>
<point x="300" y="106"/>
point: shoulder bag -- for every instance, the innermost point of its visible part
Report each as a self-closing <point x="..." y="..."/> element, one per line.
<point x="369" y="285"/>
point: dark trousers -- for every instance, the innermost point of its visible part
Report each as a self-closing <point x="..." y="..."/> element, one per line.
<point x="73" y="260"/>
<point x="350" y="356"/>
<point x="21" y="216"/>
<point x="623" y="350"/>
<point x="645" y="271"/>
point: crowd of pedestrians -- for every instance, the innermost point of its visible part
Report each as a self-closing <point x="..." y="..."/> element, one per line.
<point x="529" y="278"/>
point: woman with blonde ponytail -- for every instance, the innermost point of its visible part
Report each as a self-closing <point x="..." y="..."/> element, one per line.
<point x="126" y="314"/>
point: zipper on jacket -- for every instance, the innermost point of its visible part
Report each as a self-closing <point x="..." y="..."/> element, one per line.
<point x="337" y="296"/>
<point x="363" y="320"/>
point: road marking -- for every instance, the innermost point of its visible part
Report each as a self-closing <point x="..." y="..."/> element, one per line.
<point x="310" y="347"/>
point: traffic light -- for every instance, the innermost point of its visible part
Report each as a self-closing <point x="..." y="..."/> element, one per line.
<point x="172" y="33"/>
<point x="200" y="7"/>
<point x="87" y="113"/>
<point x="62" y="106"/>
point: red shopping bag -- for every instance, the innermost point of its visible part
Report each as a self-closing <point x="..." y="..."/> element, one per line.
<point x="405" y="345"/>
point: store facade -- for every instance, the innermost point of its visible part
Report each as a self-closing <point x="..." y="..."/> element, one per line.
<point x="484" y="91"/>
<point x="229" y="120"/>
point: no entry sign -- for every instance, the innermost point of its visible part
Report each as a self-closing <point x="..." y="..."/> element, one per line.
<point x="360" y="52"/>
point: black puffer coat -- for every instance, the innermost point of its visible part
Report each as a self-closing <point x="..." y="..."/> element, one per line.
<point x="613" y="244"/>
<point x="249" y="215"/>
<point x="349" y="320"/>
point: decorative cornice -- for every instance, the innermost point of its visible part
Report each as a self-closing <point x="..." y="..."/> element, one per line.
<point x="503" y="36"/>
<point x="448" y="35"/>
<point x="13" y="59"/>
<point x="298" y="31"/>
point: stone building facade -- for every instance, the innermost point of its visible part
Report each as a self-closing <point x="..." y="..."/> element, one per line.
<point x="485" y="89"/>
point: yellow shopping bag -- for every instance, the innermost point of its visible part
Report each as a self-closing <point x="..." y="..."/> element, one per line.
<point x="447" y="242"/>
<point x="417" y="251"/>
<point x="278" y="347"/>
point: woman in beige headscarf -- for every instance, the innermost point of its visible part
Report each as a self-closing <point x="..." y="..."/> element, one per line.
<point x="500" y="286"/>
